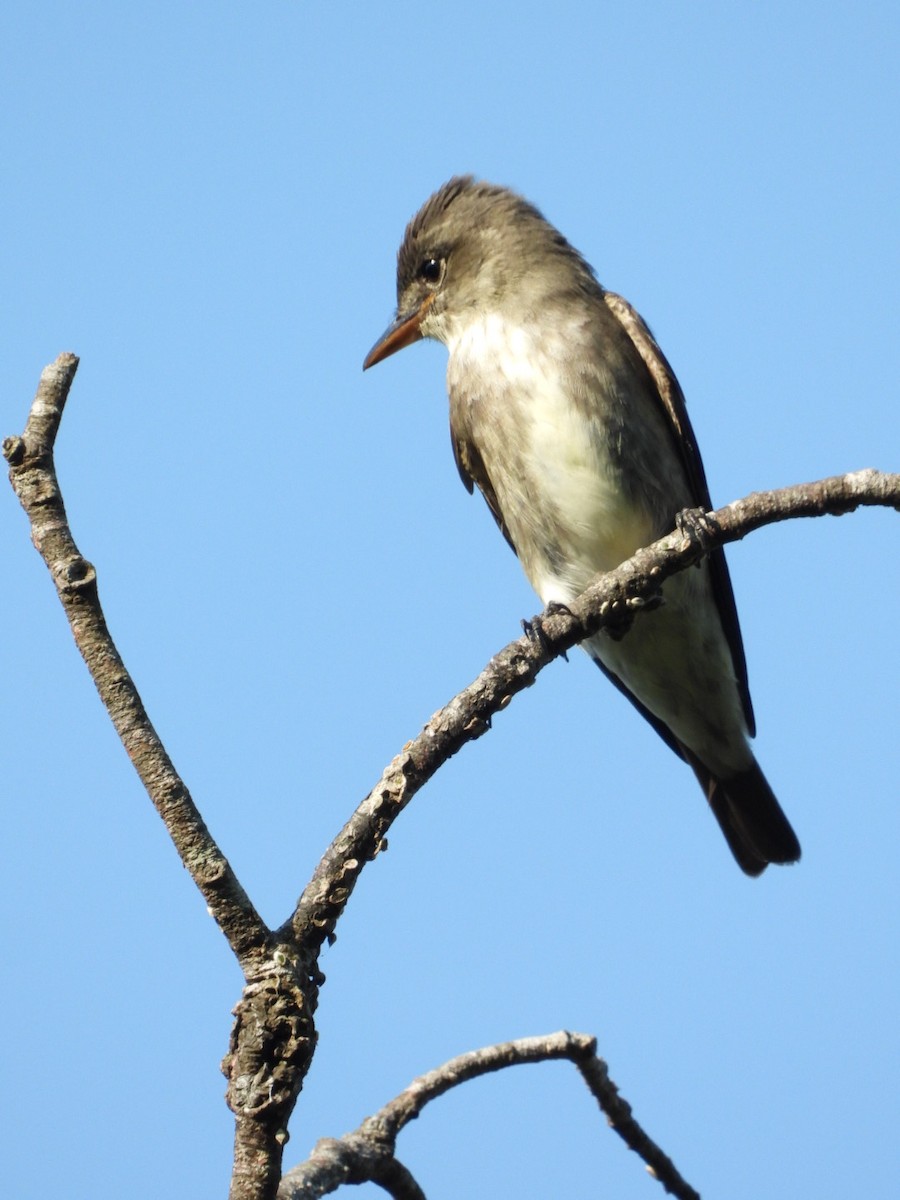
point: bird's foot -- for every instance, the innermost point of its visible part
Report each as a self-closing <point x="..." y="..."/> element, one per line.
<point x="694" y="525"/>
<point x="534" y="628"/>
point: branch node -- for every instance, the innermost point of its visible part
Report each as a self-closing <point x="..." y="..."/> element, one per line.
<point x="77" y="575"/>
<point x="14" y="450"/>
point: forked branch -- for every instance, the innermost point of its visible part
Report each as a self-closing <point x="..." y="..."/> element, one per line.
<point x="274" y="1036"/>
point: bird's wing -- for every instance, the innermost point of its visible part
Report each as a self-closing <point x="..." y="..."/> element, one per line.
<point x="671" y="399"/>
<point x="472" y="471"/>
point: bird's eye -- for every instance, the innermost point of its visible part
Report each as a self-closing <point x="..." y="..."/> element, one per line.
<point x="430" y="270"/>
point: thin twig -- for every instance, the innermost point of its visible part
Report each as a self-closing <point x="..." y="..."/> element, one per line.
<point x="347" y="1159"/>
<point x="353" y="1158"/>
<point x="33" y="476"/>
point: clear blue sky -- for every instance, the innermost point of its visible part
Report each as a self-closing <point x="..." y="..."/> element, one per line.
<point x="204" y="202"/>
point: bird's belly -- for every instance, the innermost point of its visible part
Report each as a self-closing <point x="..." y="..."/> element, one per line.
<point x="594" y="528"/>
<point x="676" y="661"/>
<point x="574" y="515"/>
<point x="582" y="479"/>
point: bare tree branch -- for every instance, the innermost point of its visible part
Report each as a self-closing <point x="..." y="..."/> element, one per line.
<point x="613" y="600"/>
<point x="342" y="1160"/>
<point x="33" y="476"/>
<point x="273" y="1039"/>
<point x="353" y="1158"/>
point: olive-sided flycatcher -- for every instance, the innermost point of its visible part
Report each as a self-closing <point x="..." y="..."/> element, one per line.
<point x="566" y="414"/>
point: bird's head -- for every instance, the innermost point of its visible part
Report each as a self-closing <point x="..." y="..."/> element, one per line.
<point x="472" y="249"/>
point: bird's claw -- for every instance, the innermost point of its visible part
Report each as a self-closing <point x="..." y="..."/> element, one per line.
<point x="694" y="525"/>
<point x="534" y="628"/>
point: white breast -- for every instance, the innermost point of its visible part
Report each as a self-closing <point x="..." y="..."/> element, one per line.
<point x="567" y="489"/>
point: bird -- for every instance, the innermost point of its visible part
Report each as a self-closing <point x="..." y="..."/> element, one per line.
<point x="567" y="416"/>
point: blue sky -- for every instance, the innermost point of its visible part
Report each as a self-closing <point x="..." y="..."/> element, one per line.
<point x="204" y="202"/>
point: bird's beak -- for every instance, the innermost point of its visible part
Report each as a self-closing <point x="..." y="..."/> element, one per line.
<point x="406" y="329"/>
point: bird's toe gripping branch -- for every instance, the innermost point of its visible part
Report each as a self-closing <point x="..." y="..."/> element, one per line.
<point x="534" y="628"/>
<point x="694" y="525"/>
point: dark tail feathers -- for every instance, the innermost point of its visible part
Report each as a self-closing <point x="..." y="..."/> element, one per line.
<point x="755" y="828"/>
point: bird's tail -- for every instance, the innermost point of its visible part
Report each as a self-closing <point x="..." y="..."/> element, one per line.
<point x="754" y="825"/>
